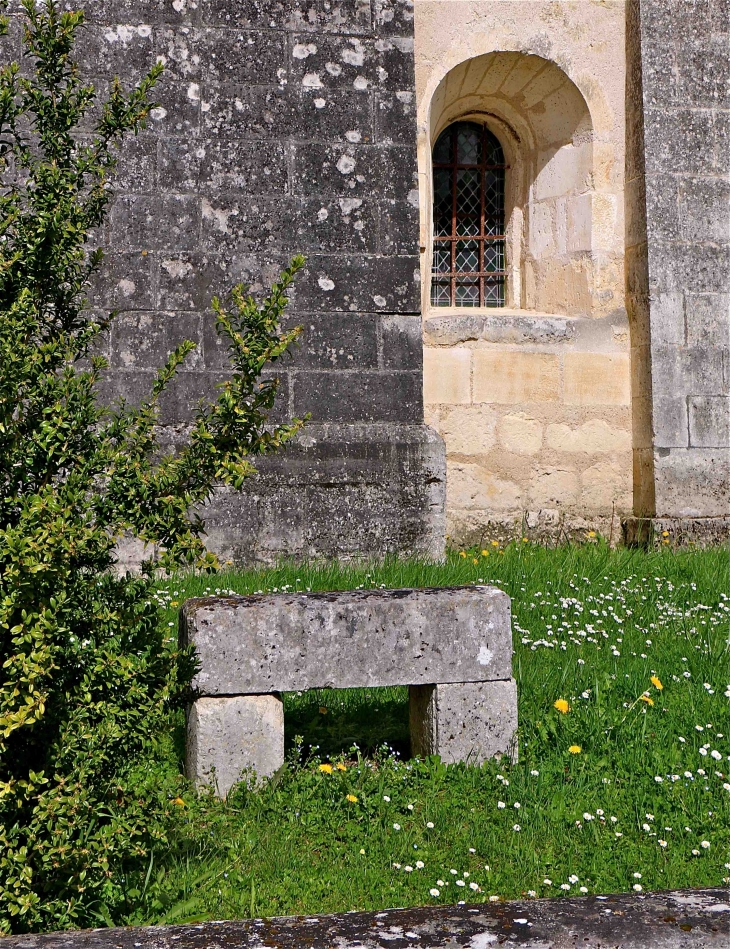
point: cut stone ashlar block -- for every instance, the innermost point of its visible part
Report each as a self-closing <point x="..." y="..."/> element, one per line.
<point x="250" y="645"/>
<point x="452" y="646"/>
<point x="229" y="736"/>
<point x="472" y="721"/>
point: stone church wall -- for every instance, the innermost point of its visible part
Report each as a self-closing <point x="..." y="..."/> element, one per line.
<point x="282" y="127"/>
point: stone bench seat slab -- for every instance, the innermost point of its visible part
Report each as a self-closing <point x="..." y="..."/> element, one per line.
<point x="252" y="645"/>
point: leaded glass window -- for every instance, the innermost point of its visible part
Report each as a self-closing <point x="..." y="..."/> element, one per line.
<point x="468" y="218"/>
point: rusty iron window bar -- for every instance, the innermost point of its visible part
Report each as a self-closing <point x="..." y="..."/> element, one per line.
<point x="468" y="218"/>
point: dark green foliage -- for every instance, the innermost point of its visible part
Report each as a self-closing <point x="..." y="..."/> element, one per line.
<point x="88" y="675"/>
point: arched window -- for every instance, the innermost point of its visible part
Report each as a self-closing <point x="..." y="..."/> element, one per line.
<point x="468" y="218"/>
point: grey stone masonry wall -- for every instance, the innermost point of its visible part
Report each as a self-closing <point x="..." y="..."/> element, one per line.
<point x="685" y="66"/>
<point x="283" y="127"/>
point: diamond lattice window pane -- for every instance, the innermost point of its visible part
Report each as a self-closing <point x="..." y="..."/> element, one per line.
<point x="493" y="154"/>
<point x="467" y="293"/>
<point x="494" y="293"/>
<point x="442" y="257"/>
<point x="468" y="202"/>
<point x="442" y="151"/>
<point x="442" y="202"/>
<point x="468" y="143"/>
<point x="441" y="293"/>
<point x="467" y="257"/>
<point x="493" y="255"/>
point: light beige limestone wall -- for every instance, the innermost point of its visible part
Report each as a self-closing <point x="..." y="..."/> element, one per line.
<point x="533" y="400"/>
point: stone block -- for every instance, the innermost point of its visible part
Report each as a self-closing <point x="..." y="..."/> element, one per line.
<point x="704" y="208"/>
<point x="469" y="722"/>
<point x="363" y="638"/>
<point x="552" y="486"/>
<point x="358" y="396"/>
<point x="513" y="377"/>
<point x="477" y="487"/>
<point x="395" y="114"/>
<point x="354" y="283"/>
<point x="227" y="737"/>
<point x="593" y="437"/>
<point x="212" y="166"/>
<point x="696" y="268"/>
<point x="692" y="482"/>
<point x="353" y="170"/>
<point x="596" y="379"/>
<point x="149" y="222"/>
<point x="708" y="320"/>
<point x="669" y="420"/>
<point x="446" y="375"/>
<point x="145" y="340"/>
<point x="520" y="433"/>
<point x="667" y="318"/>
<point x="709" y="422"/>
<point x="335" y="341"/>
<point x="468" y="429"/>
<point x="606" y="484"/>
<point x="317" y="16"/>
<point x="703" y="68"/>
<point x="680" y="140"/>
<point x="401" y="341"/>
<point x="125" y="281"/>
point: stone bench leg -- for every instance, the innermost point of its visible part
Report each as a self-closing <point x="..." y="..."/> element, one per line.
<point x="231" y="735"/>
<point x="469" y="721"/>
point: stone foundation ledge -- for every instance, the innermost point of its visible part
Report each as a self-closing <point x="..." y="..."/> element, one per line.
<point x="681" y="919"/>
<point x="547" y="525"/>
<point x="676" y="531"/>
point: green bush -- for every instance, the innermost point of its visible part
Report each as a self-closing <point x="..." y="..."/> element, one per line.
<point x="89" y="674"/>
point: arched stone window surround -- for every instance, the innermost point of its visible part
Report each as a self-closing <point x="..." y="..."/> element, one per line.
<point x="544" y="124"/>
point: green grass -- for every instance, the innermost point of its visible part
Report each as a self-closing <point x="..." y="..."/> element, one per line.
<point x="591" y="626"/>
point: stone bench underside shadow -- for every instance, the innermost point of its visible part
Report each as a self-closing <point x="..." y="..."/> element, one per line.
<point x="451" y="646"/>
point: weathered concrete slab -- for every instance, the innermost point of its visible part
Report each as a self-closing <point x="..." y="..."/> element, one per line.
<point x="363" y="638"/>
<point x="683" y="919"/>
<point x="228" y="736"/>
<point x="472" y="721"/>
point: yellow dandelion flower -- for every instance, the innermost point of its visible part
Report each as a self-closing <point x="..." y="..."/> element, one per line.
<point x="575" y="749"/>
<point x="485" y="553"/>
<point x="362" y="850"/>
<point x="591" y="533"/>
<point x="665" y="533"/>
<point x="525" y="540"/>
<point x="352" y="799"/>
<point x="462" y="553"/>
<point x="495" y="543"/>
<point x="657" y="682"/>
<point x="647" y="699"/>
<point x="174" y="603"/>
<point x="562" y="706"/>
<point x="326" y="768"/>
<point x="179" y="801"/>
<point x="322" y="710"/>
<point x="340" y="766"/>
<point x="475" y="560"/>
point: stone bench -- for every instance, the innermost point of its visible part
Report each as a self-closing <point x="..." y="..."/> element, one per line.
<point x="452" y="646"/>
<point x="682" y="919"/>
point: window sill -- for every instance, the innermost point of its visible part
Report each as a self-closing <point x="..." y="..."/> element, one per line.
<point x="446" y="326"/>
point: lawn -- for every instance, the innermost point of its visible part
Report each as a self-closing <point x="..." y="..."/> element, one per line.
<point x="628" y="789"/>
